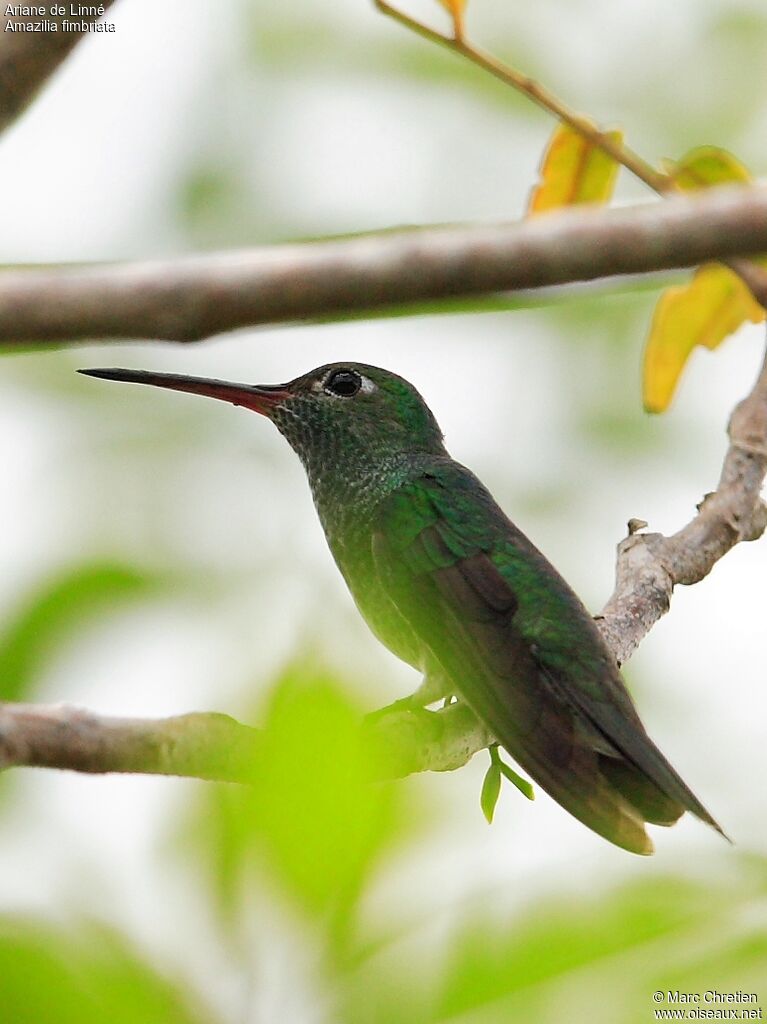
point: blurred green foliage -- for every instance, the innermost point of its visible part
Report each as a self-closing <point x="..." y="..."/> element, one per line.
<point x="314" y="830"/>
<point x="316" y="45"/>
<point x="588" y="960"/>
<point x="83" y="975"/>
<point x="63" y="606"/>
<point x="312" y="818"/>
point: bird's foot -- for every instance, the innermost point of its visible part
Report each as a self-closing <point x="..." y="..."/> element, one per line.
<point x="431" y="690"/>
<point x="434" y="687"/>
<point x="403" y="704"/>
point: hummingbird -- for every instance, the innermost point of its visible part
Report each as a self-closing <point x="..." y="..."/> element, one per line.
<point x="451" y="586"/>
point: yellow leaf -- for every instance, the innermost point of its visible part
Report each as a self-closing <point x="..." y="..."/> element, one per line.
<point x="574" y="170"/>
<point x="457" y="9"/>
<point x="704" y="312"/>
<point x="705" y="167"/>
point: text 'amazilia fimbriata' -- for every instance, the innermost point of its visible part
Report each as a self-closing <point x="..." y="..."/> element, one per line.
<point x="451" y="586"/>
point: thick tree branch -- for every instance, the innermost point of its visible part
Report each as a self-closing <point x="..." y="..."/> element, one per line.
<point x="197" y="745"/>
<point x="214" y="746"/>
<point x="28" y="59"/>
<point x="192" y="298"/>
<point x="426" y="741"/>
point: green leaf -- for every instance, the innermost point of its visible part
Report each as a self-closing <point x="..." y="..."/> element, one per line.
<point x="524" y="787"/>
<point x="491" y="790"/>
<point x="628" y="933"/>
<point x="312" y="819"/>
<point x="84" y="976"/>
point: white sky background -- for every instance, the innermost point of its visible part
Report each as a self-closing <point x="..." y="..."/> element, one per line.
<point x="89" y="173"/>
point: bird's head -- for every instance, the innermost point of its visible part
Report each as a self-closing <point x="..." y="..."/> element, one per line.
<point x="338" y="414"/>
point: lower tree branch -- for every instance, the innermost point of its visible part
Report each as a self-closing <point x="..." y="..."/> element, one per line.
<point x="194" y="297"/>
<point x="419" y="740"/>
<point x="212" y="746"/>
<point x="197" y="745"/>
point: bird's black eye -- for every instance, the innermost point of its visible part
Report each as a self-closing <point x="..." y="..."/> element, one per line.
<point x="343" y="383"/>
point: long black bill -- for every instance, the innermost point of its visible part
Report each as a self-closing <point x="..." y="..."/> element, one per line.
<point x="259" y="398"/>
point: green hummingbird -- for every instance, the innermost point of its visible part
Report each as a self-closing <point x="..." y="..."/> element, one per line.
<point x="449" y="584"/>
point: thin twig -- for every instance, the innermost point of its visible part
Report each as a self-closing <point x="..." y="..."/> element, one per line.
<point x="753" y="276"/>
<point x="539" y="95"/>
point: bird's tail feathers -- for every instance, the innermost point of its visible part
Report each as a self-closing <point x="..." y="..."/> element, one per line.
<point x="652" y="803"/>
<point x="644" y="776"/>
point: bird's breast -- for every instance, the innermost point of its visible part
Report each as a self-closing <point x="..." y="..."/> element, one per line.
<point x="353" y="554"/>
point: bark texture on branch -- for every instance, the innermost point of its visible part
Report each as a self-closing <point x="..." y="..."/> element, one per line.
<point x="198" y="745"/>
<point x="650" y="565"/>
<point x="191" y="298"/>
<point x="207" y="745"/>
<point x="28" y="59"/>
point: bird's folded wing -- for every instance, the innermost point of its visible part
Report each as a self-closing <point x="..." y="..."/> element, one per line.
<point x="463" y="609"/>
